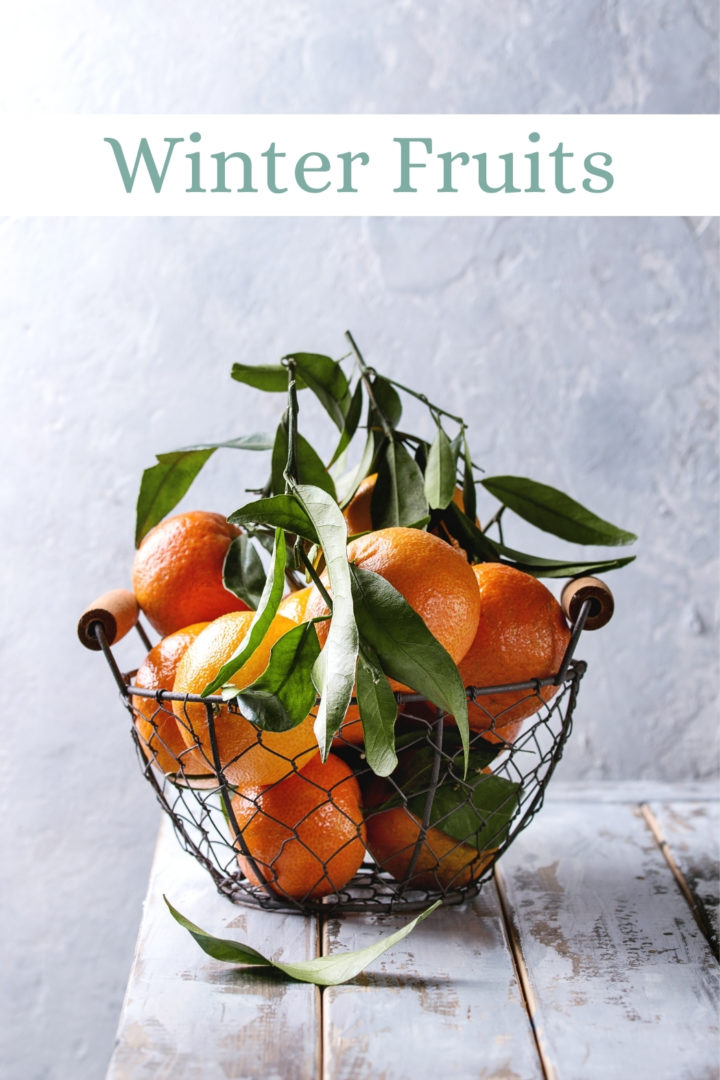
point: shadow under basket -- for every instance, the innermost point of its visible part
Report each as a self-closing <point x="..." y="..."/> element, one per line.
<point x="430" y="831"/>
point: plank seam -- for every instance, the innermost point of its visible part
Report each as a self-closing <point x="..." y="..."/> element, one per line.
<point x="656" y="829"/>
<point x="521" y="972"/>
<point x="322" y="949"/>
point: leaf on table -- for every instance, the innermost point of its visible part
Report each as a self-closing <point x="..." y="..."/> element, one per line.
<point x="554" y="512"/>
<point x="323" y="971"/>
<point x="163" y="485"/>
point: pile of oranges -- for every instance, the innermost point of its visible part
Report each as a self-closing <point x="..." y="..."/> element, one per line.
<point x="303" y="826"/>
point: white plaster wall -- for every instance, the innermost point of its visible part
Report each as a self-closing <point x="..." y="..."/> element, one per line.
<point x="583" y="351"/>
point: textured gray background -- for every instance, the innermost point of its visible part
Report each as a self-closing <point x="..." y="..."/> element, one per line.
<point x="584" y="353"/>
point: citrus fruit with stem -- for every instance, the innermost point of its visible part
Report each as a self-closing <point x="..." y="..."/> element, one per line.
<point x="435" y="579"/>
<point x="305" y="833"/>
<point x="247" y="755"/>
<point x="521" y="635"/>
<point x="155" y="721"/>
<point x="177" y="573"/>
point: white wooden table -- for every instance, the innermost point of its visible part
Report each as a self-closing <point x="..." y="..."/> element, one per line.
<point x="589" y="956"/>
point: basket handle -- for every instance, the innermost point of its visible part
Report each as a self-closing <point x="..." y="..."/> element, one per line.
<point x="588" y="588"/>
<point x="117" y="611"/>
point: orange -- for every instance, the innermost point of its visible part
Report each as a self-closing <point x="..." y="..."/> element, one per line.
<point x="392" y="837"/>
<point x="156" y="723"/>
<point x="247" y="755"/>
<point x="435" y="579"/>
<point x="521" y="635"/>
<point x="306" y="833"/>
<point x="293" y="606"/>
<point x="177" y="571"/>
<point x="357" y="511"/>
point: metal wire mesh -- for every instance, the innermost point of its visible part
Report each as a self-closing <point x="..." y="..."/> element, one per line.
<point x="411" y="831"/>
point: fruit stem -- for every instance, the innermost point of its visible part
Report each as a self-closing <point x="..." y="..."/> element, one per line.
<point x="496" y="520"/>
<point x="365" y="372"/>
<point x="307" y="561"/>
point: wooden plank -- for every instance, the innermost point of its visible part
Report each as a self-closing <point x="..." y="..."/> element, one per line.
<point x="692" y="834"/>
<point x="444" y="1002"/>
<point x="621" y="980"/>
<point x="189" y="1017"/>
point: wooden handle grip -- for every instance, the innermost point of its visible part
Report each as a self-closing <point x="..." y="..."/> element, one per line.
<point x="588" y="588"/>
<point x="117" y="611"/>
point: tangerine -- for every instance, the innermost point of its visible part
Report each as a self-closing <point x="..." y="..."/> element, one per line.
<point x="394" y="835"/>
<point x="248" y="756"/>
<point x="294" y="605"/>
<point x="177" y="573"/>
<point x="435" y="579"/>
<point x="305" y="834"/>
<point x="156" y="723"/>
<point x="521" y="635"/>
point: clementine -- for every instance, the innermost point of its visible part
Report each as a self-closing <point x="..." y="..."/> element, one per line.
<point x="155" y="722"/>
<point x="305" y="834"/>
<point x="248" y="756"/>
<point x="521" y="635"/>
<point x="177" y="571"/>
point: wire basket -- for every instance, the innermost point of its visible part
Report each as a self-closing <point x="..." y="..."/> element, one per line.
<point x="409" y="848"/>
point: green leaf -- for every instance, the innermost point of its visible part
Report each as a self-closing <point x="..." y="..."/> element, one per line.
<point x="399" y="495"/>
<point x="328" y="382"/>
<point x="280" y="511"/>
<point x="440" y="472"/>
<point x="334" y="670"/>
<point x="270" y="377"/>
<point x="163" y="485"/>
<point x="323" y="971"/>
<point x="243" y="571"/>
<point x="405" y="647"/>
<point x="283" y="695"/>
<point x="310" y="469"/>
<point x="478" y="546"/>
<point x="347" y="487"/>
<point x="271" y="597"/>
<point x="559" y="568"/>
<point x="469" y="494"/>
<point x="387" y="400"/>
<point x="352" y="419"/>
<point x="378" y="711"/>
<point x="476" y="812"/>
<point x="552" y="511"/>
